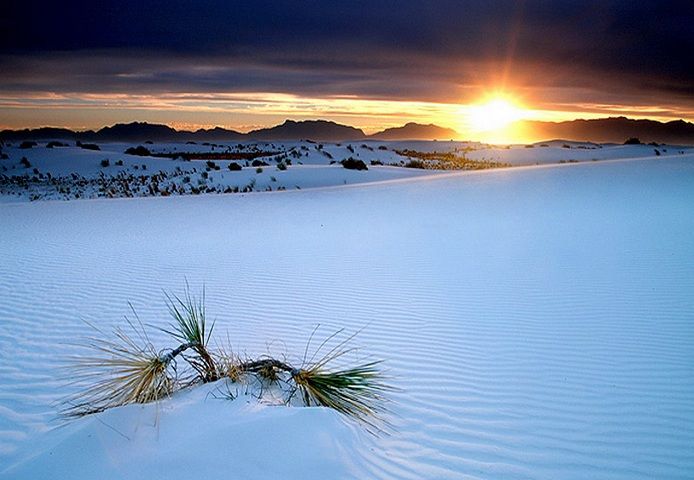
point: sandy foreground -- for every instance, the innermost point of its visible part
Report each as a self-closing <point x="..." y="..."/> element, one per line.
<point x="537" y="323"/>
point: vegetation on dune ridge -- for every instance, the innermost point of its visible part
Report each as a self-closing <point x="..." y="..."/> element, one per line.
<point x="121" y="184"/>
<point x="446" y="161"/>
<point x="127" y="369"/>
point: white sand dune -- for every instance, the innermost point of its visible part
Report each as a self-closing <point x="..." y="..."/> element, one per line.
<point x="79" y="173"/>
<point x="537" y="322"/>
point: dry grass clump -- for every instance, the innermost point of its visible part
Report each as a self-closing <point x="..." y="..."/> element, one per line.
<point x="128" y="369"/>
<point x="229" y="365"/>
<point x="121" y="371"/>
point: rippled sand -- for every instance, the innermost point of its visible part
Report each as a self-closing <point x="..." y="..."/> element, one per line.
<point x="538" y="322"/>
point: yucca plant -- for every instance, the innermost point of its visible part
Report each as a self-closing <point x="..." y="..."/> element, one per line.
<point x="122" y="371"/>
<point x="190" y="328"/>
<point x="357" y="392"/>
<point x="129" y="370"/>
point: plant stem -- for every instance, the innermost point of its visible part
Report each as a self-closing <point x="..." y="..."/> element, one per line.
<point x="169" y="356"/>
<point x="210" y="367"/>
<point x="258" y="365"/>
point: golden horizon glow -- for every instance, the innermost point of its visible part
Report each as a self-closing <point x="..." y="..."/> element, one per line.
<point x="494" y="114"/>
<point x="492" y="119"/>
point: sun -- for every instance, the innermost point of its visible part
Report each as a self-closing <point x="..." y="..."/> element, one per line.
<point x="494" y="114"/>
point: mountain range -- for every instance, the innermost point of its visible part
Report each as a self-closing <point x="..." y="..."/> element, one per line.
<point x="316" y="130"/>
<point x="610" y="130"/>
<point x="615" y="129"/>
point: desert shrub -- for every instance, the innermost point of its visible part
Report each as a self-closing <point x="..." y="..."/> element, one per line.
<point x="657" y="153"/>
<point x="24" y="162"/>
<point x="105" y="162"/>
<point x="204" y="175"/>
<point x="139" y="151"/>
<point x="149" y="142"/>
<point x="632" y="141"/>
<point x="566" y="145"/>
<point x="376" y="162"/>
<point x="234" y="167"/>
<point x="415" y="164"/>
<point x="119" y="163"/>
<point x="258" y="163"/>
<point x="212" y="165"/>
<point x="281" y="166"/>
<point x="354" y="164"/>
<point x="55" y="144"/>
<point x="382" y="147"/>
<point x="27" y="144"/>
<point x="144" y="166"/>
<point x="259" y="170"/>
<point x="89" y="146"/>
<point x="128" y="369"/>
<point x="530" y="145"/>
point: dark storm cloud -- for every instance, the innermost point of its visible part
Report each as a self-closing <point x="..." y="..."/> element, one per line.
<point x="388" y="49"/>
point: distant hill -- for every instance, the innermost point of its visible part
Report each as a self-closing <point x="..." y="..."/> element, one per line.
<point x="142" y="131"/>
<point x="124" y="132"/>
<point x="137" y="132"/>
<point x="216" y="134"/>
<point x="611" y="130"/>
<point x="318" y="130"/>
<point x="43" y="133"/>
<point x="416" y="131"/>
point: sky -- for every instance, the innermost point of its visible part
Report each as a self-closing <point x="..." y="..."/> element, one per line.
<point x="249" y="64"/>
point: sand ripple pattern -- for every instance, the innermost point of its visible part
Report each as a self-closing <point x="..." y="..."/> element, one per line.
<point x="539" y="323"/>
